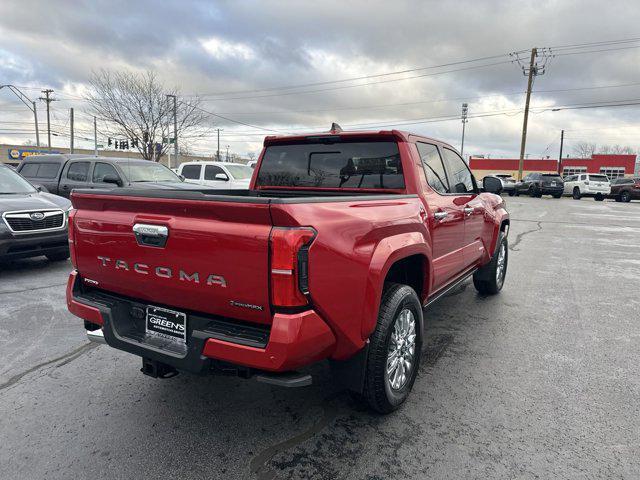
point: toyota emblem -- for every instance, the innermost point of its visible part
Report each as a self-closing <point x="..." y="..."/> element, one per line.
<point x="37" y="216"/>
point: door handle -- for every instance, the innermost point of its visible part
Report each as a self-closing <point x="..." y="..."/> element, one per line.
<point x="440" y="215"/>
<point x="468" y="211"/>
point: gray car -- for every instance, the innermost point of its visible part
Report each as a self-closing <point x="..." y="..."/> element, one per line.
<point x="33" y="222"/>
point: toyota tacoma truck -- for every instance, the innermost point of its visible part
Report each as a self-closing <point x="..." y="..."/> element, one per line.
<point x="332" y="253"/>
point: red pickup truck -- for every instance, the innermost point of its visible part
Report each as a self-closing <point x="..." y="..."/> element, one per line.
<point x="332" y="253"/>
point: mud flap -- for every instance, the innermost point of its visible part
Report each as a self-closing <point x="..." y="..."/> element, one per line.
<point x="350" y="373"/>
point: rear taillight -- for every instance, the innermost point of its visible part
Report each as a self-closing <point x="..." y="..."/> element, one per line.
<point x="72" y="236"/>
<point x="290" y="265"/>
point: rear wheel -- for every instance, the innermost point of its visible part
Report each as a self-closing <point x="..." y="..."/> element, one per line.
<point x="558" y="195"/>
<point x="576" y="193"/>
<point x="625" y="196"/>
<point x="489" y="279"/>
<point x="394" y="349"/>
<point x="512" y="193"/>
<point x="599" y="197"/>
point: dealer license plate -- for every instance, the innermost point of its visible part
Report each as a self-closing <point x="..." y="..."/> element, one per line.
<point x="553" y="184"/>
<point x="168" y="324"/>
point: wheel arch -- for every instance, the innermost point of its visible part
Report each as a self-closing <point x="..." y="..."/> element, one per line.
<point x="402" y="258"/>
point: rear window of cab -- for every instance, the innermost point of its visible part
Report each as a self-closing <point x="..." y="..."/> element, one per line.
<point x="40" y="170"/>
<point x="343" y="164"/>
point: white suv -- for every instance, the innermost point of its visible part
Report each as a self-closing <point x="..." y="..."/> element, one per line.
<point x="587" y="185"/>
<point x="223" y="175"/>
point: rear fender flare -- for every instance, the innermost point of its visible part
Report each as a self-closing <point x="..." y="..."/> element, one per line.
<point x="387" y="252"/>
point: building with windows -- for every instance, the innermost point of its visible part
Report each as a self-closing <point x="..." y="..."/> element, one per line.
<point x="611" y="165"/>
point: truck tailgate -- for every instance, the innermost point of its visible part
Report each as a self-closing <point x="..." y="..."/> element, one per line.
<point x="215" y="259"/>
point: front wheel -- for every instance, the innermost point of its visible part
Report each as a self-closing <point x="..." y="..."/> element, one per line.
<point x="489" y="279"/>
<point x="557" y="195"/>
<point x="394" y="349"/>
<point x="512" y="193"/>
<point x="599" y="197"/>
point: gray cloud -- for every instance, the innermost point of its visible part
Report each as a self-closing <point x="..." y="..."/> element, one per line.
<point x="210" y="47"/>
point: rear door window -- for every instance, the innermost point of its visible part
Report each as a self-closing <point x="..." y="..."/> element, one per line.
<point x="371" y="165"/>
<point x="192" y="172"/>
<point x="78" y="171"/>
<point x="40" y="170"/>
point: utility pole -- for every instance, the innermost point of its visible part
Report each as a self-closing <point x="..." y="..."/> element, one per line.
<point x="175" y="128"/>
<point x="35" y="119"/>
<point x="95" y="136"/>
<point x="227" y="153"/>
<point x="48" y="100"/>
<point x="465" y="111"/>
<point x="71" y="128"/>
<point x="218" y="154"/>
<point x="560" y="157"/>
<point x="531" y="73"/>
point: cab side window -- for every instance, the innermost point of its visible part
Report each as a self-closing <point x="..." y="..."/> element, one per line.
<point x="433" y="167"/>
<point x="210" y="172"/>
<point x="460" y="177"/>
<point x="101" y="170"/>
<point x="192" y="172"/>
<point x="78" y="171"/>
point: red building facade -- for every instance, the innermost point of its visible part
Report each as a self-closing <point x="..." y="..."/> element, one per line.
<point x="614" y="166"/>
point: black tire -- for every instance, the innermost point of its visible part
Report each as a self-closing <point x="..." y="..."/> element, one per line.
<point x="486" y="279"/>
<point x="557" y="196"/>
<point x="598" y="198"/>
<point x="618" y="199"/>
<point x="378" y="392"/>
<point x="625" y="197"/>
<point x="57" y="257"/>
<point x="576" y="193"/>
<point x="512" y="193"/>
<point x="516" y="193"/>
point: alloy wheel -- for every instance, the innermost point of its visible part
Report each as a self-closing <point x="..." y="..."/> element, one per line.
<point x="402" y="350"/>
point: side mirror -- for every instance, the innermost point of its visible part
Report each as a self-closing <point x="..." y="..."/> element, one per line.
<point x="110" y="178"/>
<point x="221" y="176"/>
<point x="181" y="177"/>
<point x="41" y="188"/>
<point x="492" y="185"/>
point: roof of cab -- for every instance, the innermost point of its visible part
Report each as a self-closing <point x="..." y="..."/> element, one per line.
<point x="399" y="135"/>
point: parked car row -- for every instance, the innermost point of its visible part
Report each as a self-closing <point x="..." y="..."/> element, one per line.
<point x="577" y="186"/>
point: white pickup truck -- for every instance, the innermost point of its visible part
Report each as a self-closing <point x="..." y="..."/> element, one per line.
<point x="228" y="176"/>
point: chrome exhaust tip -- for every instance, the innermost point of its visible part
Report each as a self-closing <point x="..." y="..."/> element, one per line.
<point x="96" y="336"/>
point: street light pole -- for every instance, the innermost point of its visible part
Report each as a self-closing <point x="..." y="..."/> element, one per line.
<point x="465" y="111"/>
<point x="175" y="128"/>
<point x="31" y="105"/>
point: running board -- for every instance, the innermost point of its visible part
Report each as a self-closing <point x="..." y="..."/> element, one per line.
<point x="447" y="289"/>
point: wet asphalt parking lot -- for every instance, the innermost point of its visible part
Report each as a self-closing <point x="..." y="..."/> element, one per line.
<point x="541" y="381"/>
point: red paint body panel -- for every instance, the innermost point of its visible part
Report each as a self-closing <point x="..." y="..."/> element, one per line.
<point x="296" y="340"/>
<point x="358" y="241"/>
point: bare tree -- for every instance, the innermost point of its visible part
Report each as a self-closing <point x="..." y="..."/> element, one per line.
<point x="133" y="106"/>
<point x="251" y="155"/>
<point x="584" y="149"/>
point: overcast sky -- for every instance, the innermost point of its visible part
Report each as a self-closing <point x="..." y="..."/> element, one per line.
<point x="234" y="53"/>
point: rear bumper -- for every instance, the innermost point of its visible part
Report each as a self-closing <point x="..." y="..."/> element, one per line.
<point x="592" y="192"/>
<point x="32" y="245"/>
<point x="293" y="341"/>
<point x="551" y="190"/>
